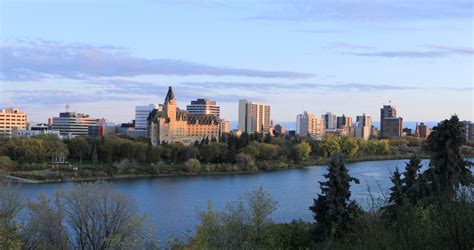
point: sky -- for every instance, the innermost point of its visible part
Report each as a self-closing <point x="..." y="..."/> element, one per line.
<point x="104" y="57"/>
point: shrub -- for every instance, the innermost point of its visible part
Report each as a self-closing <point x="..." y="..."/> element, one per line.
<point x="192" y="165"/>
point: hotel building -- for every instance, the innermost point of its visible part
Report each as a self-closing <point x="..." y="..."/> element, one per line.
<point x="254" y="117"/>
<point x="175" y="125"/>
<point x="11" y="120"/>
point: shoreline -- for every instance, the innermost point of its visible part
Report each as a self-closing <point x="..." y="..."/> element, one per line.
<point x="313" y="162"/>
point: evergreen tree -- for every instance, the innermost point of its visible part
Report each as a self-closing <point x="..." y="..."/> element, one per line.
<point x="333" y="211"/>
<point x="411" y="181"/>
<point x="448" y="169"/>
<point x="94" y="157"/>
<point x="397" y="196"/>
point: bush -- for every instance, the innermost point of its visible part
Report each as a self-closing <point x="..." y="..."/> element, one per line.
<point x="245" y="162"/>
<point x="6" y="163"/>
<point x="192" y="165"/>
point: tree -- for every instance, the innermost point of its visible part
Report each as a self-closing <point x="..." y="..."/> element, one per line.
<point x="261" y="205"/>
<point x="94" y="156"/>
<point x="44" y="228"/>
<point x="397" y="195"/>
<point x="10" y="206"/>
<point x="333" y="211"/>
<point x="330" y="146"/>
<point x="192" y="165"/>
<point x="99" y="218"/>
<point x="6" y="163"/>
<point x="302" y="151"/>
<point x="245" y="162"/>
<point x="79" y="148"/>
<point x="411" y="181"/>
<point x="349" y="147"/>
<point x="448" y="169"/>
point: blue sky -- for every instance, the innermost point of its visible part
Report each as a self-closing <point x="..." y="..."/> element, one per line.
<point x="104" y="57"/>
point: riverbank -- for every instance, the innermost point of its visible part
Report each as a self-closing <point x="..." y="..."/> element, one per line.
<point x="166" y="169"/>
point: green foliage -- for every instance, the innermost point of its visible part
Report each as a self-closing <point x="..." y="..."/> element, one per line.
<point x="448" y="170"/>
<point x="333" y="210"/>
<point x="193" y="165"/>
<point x="6" y="164"/>
<point x="302" y="151"/>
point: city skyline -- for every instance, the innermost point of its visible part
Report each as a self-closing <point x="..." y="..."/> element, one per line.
<point x="305" y="56"/>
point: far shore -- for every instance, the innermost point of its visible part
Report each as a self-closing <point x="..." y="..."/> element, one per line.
<point x="313" y="162"/>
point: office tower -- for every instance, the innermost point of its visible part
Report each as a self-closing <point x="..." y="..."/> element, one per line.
<point x="71" y="124"/>
<point x="343" y="121"/>
<point x="391" y="126"/>
<point x="204" y="107"/>
<point x="309" y="125"/>
<point x="141" y="115"/>
<point x="422" y="130"/>
<point x="278" y="130"/>
<point x="176" y="125"/>
<point x="330" y="121"/>
<point x="12" y="120"/>
<point x="254" y="117"/>
<point x="363" y="127"/>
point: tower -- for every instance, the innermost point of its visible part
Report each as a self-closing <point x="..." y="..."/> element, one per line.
<point x="169" y="107"/>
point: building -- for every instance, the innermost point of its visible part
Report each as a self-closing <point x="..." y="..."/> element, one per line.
<point x="175" y="125"/>
<point x="35" y="130"/>
<point x="224" y="126"/>
<point x="102" y="129"/>
<point x="142" y="113"/>
<point x="422" y="130"/>
<point x="71" y="124"/>
<point x="278" y="130"/>
<point x="330" y="121"/>
<point x="309" y="125"/>
<point x="407" y="132"/>
<point x="343" y="121"/>
<point x="12" y="119"/>
<point x="254" y="117"/>
<point x="391" y="126"/>
<point x="204" y="107"/>
<point x="363" y="127"/>
<point x="468" y="130"/>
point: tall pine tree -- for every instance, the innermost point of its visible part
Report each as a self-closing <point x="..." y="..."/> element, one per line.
<point x="333" y="210"/>
<point x="448" y="169"/>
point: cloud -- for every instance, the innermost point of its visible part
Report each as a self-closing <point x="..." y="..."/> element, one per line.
<point x="363" y="10"/>
<point x="346" y="45"/>
<point x="437" y="51"/>
<point x="38" y="60"/>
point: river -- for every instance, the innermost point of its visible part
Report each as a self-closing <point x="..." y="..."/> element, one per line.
<point x="173" y="202"/>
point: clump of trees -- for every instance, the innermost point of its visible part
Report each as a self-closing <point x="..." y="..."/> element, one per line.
<point x="88" y="216"/>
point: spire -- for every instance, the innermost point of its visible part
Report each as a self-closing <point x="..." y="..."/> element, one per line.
<point x="170" y="95"/>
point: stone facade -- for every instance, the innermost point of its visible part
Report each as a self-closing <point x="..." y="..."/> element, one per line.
<point x="175" y="125"/>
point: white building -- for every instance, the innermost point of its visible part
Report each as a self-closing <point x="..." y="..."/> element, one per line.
<point x="363" y="127"/>
<point x="254" y="117"/>
<point x="204" y="107"/>
<point x="309" y="125"/>
<point x="141" y="115"/>
<point x="71" y="124"/>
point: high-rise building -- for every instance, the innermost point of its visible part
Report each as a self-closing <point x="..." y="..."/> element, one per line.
<point x="176" y="125"/>
<point x="330" y="121"/>
<point x="309" y="125"/>
<point x="204" y="107"/>
<point x="278" y="130"/>
<point x="224" y="126"/>
<point x="254" y="117"/>
<point x="363" y="126"/>
<point x="468" y="130"/>
<point x="71" y="124"/>
<point x="12" y="119"/>
<point x="422" y="130"/>
<point x="391" y="126"/>
<point x="343" y="121"/>
<point x="142" y="113"/>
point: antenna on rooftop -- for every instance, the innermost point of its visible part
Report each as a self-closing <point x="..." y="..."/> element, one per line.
<point x="67" y="107"/>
